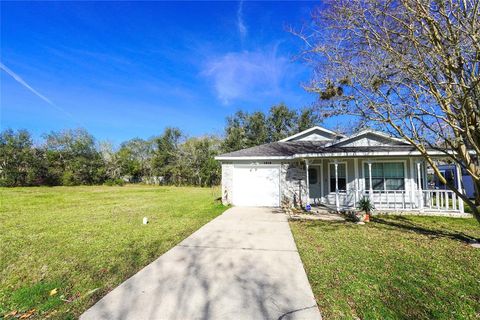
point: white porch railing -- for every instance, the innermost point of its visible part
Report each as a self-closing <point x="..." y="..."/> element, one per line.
<point x="423" y="200"/>
<point x="441" y="200"/>
<point x="390" y="199"/>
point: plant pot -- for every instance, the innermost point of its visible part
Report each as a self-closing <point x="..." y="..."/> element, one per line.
<point x="366" y="218"/>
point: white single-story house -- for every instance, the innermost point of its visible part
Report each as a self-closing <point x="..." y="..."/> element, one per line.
<point x="324" y="168"/>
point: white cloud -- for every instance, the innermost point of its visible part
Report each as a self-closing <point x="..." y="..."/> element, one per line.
<point x="242" y="28"/>
<point x="244" y="75"/>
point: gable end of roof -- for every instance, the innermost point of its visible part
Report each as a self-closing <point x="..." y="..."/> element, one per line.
<point x="365" y="133"/>
<point x="311" y="131"/>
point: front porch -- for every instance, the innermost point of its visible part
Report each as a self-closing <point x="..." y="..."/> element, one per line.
<point x="392" y="185"/>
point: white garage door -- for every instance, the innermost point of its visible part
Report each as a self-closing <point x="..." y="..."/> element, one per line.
<point x="256" y="186"/>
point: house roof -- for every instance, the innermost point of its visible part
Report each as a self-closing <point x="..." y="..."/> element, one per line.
<point x="364" y="143"/>
<point x="297" y="149"/>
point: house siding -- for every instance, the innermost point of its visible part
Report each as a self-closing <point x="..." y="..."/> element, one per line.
<point x="293" y="187"/>
<point x="227" y="183"/>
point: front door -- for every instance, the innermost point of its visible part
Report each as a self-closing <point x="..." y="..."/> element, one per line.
<point x="314" y="181"/>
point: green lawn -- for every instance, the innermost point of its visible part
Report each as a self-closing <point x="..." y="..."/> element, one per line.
<point x="393" y="268"/>
<point x="84" y="241"/>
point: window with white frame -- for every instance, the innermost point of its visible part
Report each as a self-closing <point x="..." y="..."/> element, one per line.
<point x="385" y="176"/>
<point x="341" y="175"/>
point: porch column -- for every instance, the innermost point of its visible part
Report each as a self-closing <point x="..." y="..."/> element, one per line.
<point x="356" y="181"/>
<point x="308" y="182"/>
<point x="419" y="184"/>
<point x="322" y="196"/>
<point x="337" y="200"/>
<point x="460" y="188"/>
<point x="370" y="191"/>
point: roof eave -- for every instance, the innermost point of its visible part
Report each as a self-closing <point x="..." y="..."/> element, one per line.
<point x="335" y="154"/>
<point x="227" y="158"/>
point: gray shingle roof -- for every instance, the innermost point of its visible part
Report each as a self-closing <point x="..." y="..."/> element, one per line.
<point x="291" y="148"/>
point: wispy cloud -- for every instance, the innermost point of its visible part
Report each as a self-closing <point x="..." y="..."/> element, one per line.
<point x="23" y="83"/>
<point x="247" y="74"/>
<point x="242" y="28"/>
<point x="35" y="92"/>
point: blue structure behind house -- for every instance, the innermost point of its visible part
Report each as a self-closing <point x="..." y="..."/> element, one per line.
<point x="450" y="173"/>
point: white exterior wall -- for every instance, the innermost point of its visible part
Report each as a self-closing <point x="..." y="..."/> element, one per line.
<point x="227" y="183"/>
<point x="293" y="191"/>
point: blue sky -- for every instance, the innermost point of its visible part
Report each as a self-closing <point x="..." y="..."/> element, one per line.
<point x="129" y="69"/>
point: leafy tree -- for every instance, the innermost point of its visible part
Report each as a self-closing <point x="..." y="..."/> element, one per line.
<point x="307" y="118"/>
<point x="166" y="154"/>
<point x="110" y="159"/>
<point x="135" y="159"/>
<point x="281" y="122"/>
<point x="73" y="159"/>
<point x="195" y="161"/>
<point x="410" y="67"/>
<point x="256" y="129"/>
<point x="244" y="130"/>
<point x="235" y="132"/>
<point x="16" y="158"/>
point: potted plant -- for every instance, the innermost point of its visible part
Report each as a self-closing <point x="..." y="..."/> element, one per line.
<point x="366" y="206"/>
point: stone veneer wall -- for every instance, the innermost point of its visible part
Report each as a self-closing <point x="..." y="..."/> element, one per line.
<point x="293" y="191"/>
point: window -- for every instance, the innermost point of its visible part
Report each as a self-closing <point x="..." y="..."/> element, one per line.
<point x="312" y="176"/>
<point x="342" y="177"/>
<point x="385" y="176"/>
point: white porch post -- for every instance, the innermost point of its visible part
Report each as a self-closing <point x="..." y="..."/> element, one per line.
<point x="411" y="179"/>
<point x="322" y="199"/>
<point x="308" y="182"/>
<point x="370" y="191"/>
<point x="337" y="200"/>
<point x="419" y="184"/>
<point x="460" y="188"/>
<point x="356" y="182"/>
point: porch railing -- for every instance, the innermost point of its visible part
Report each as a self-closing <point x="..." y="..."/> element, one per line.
<point x="428" y="200"/>
<point x="390" y="199"/>
<point x="442" y="200"/>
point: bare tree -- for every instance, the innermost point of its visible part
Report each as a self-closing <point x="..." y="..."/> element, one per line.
<point x="410" y="67"/>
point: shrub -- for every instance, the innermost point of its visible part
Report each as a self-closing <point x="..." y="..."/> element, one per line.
<point x="352" y="215"/>
<point x="114" y="182"/>
<point x="365" y="205"/>
<point x="68" y="179"/>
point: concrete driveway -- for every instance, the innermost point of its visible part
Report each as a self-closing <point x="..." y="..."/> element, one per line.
<point x="242" y="265"/>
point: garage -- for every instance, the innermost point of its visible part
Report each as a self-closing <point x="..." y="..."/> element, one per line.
<point x="256" y="185"/>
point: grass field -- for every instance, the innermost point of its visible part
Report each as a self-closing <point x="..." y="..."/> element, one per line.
<point x="393" y="268"/>
<point x="84" y="241"/>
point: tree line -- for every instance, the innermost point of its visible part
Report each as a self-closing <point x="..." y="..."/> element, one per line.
<point x="75" y="157"/>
